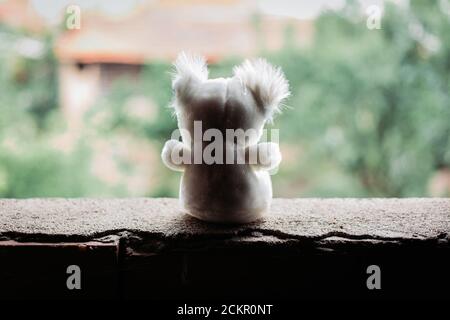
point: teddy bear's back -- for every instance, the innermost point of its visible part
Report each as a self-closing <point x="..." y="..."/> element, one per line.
<point x="221" y="104"/>
<point x="227" y="193"/>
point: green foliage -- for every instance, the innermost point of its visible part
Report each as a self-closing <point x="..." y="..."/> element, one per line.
<point x="374" y="103"/>
<point x="29" y="166"/>
<point x="154" y="84"/>
<point x="41" y="171"/>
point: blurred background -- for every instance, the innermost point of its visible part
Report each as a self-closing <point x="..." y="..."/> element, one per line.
<point x="84" y="111"/>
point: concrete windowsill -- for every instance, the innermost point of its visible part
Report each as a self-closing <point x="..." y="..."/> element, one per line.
<point x="151" y="243"/>
<point x="289" y="219"/>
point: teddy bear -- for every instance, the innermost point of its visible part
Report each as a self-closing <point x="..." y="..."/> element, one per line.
<point x="229" y="182"/>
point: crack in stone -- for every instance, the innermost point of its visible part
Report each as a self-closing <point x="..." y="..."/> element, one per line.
<point x="132" y="237"/>
<point x="340" y="234"/>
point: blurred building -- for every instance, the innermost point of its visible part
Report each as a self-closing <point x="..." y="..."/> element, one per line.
<point x="21" y="14"/>
<point x="107" y="47"/>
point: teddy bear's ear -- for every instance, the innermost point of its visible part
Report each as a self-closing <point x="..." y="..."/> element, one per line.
<point x="267" y="84"/>
<point x="189" y="69"/>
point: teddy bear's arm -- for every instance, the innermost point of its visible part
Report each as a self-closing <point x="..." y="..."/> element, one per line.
<point x="174" y="155"/>
<point x="264" y="155"/>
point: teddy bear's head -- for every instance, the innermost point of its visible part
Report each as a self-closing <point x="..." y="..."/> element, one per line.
<point x="245" y="101"/>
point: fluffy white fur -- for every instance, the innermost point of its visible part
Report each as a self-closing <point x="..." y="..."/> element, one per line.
<point x="267" y="83"/>
<point x="268" y="155"/>
<point x="236" y="193"/>
<point x="190" y="70"/>
<point x="171" y="149"/>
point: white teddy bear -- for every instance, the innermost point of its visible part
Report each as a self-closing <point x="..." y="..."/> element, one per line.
<point x="224" y="179"/>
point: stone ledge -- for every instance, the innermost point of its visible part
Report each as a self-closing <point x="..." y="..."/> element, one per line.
<point x="147" y="248"/>
<point x="290" y="219"/>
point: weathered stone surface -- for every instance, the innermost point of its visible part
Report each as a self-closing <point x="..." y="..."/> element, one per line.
<point x="313" y="219"/>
